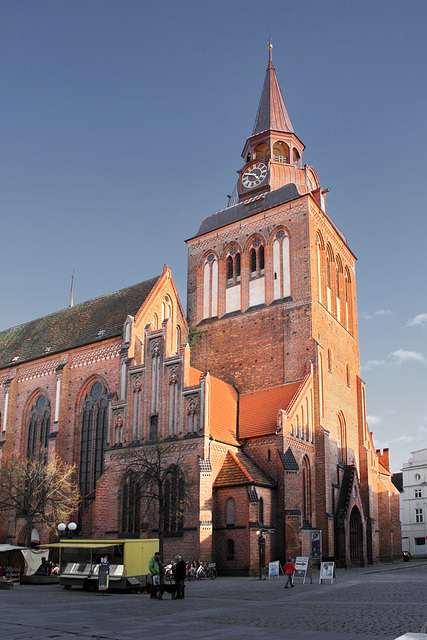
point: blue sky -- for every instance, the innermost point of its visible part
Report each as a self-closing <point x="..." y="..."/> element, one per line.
<point x="122" y="127"/>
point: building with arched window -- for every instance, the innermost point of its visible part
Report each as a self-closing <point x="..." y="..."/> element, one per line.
<point x="257" y="415"/>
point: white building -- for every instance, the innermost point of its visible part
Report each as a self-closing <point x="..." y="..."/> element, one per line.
<point x="414" y="495"/>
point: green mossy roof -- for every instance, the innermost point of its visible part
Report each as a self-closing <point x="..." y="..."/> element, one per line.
<point x="73" y="327"/>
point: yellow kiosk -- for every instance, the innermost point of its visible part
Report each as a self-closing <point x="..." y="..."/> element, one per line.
<point x="80" y="560"/>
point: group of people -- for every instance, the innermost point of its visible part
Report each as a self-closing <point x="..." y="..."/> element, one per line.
<point x="157" y="572"/>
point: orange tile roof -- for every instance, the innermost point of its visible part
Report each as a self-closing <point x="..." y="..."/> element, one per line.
<point x="194" y="377"/>
<point x="238" y="470"/>
<point x="258" y="409"/>
<point x="223" y="411"/>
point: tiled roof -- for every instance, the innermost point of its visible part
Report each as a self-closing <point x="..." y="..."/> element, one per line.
<point x="239" y="470"/>
<point x="223" y="411"/>
<point x="258" y="409"/>
<point x="193" y="377"/>
<point x="85" y="323"/>
<point x="288" y="460"/>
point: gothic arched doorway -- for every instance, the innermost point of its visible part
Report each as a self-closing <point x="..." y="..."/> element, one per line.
<point x="356" y="537"/>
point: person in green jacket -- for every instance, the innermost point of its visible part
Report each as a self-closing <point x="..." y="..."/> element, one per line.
<point x="156" y="569"/>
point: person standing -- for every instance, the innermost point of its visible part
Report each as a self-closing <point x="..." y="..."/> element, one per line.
<point x="289" y="571"/>
<point x="179" y="575"/>
<point x="156" y="569"/>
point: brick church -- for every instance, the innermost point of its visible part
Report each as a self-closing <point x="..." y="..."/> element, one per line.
<point x="255" y="395"/>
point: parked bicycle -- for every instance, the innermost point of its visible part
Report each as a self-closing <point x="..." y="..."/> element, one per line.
<point x="201" y="570"/>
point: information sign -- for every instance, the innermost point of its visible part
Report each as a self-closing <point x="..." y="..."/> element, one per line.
<point x="302" y="565"/>
<point x="273" y="569"/>
<point x="103" y="575"/>
<point x="327" y="572"/>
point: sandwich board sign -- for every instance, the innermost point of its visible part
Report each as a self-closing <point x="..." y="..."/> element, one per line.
<point x="274" y="569"/>
<point x="327" y="572"/>
<point x="302" y="565"/>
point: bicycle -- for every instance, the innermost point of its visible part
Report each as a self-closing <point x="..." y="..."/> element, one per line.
<point x="211" y="571"/>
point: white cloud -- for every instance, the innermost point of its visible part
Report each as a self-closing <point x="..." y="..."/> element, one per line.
<point x="400" y="356"/>
<point x="419" y="321"/>
<point x="373" y="420"/>
<point x="367" y="315"/>
<point x="395" y="359"/>
<point x="371" y="364"/>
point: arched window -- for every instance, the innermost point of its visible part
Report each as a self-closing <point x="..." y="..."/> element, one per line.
<point x="281" y="266"/>
<point x="174" y="500"/>
<point x="178" y="338"/>
<point x="338" y="287"/>
<point x="94" y="424"/>
<point x="261" y="511"/>
<point x="155" y="321"/>
<point x="306" y="488"/>
<point x="262" y="151"/>
<point x="231" y="513"/>
<point x="319" y="250"/>
<point x="295" y="157"/>
<point x="347" y="283"/>
<point x="330" y="269"/>
<point x="38" y="427"/>
<point x="281" y="152"/>
<point x="131" y="520"/>
<point x="233" y="266"/>
<point x="256" y="259"/>
<point x="166" y="308"/>
<point x="342" y="444"/>
<point x="210" y="287"/>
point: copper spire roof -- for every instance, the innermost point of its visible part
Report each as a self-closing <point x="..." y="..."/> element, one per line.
<point x="272" y="113"/>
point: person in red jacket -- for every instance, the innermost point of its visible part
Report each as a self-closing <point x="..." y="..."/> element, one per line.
<point x="289" y="571"/>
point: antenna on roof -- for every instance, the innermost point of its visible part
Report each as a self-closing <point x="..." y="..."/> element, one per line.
<point x="72" y="290"/>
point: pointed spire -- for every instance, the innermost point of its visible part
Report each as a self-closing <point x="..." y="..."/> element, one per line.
<point x="272" y="113"/>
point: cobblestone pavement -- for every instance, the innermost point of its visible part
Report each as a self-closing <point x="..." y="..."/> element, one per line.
<point x="364" y="604"/>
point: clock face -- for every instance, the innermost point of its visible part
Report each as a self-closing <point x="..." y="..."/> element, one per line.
<point x="254" y="175"/>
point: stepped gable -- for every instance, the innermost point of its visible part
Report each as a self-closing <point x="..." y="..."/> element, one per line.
<point x="239" y="470"/>
<point x="74" y="326"/>
<point x="258" y="409"/>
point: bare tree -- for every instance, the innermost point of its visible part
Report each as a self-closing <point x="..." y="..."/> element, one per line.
<point x="38" y="491"/>
<point x="164" y="485"/>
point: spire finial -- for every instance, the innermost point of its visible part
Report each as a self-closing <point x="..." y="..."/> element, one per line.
<point x="270" y="57"/>
<point x="72" y="291"/>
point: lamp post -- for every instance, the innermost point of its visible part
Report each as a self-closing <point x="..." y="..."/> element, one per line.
<point x="261" y="550"/>
<point x="67" y="529"/>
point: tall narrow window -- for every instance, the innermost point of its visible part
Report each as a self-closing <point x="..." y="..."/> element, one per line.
<point x="231" y="513"/>
<point x="253" y="261"/>
<point x="174" y="501"/>
<point x="131" y="504"/>
<point x="342" y="448"/>
<point x="281" y="266"/>
<point x="233" y="266"/>
<point x="319" y="247"/>
<point x="93" y="437"/>
<point x="38" y="426"/>
<point x="210" y="287"/>
<point x="261" y="511"/>
<point x="306" y="488"/>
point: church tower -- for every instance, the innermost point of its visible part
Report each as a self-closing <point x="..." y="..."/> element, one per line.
<point x="254" y="267"/>
<point x="272" y="304"/>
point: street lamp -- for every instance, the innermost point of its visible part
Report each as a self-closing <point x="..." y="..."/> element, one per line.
<point x="261" y="551"/>
<point x="67" y="529"/>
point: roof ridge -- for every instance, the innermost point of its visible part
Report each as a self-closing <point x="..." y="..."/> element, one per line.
<point x="79" y="304"/>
